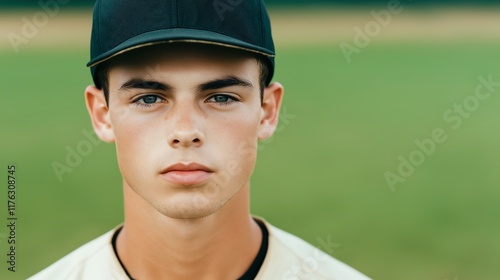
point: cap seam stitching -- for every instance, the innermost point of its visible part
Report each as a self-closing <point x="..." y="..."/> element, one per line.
<point x="177" y="13"/>
<point x="98" y="3"/>
<point x="259" y="4"/>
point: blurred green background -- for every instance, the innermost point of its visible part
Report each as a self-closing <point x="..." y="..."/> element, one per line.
<point x="321" y="176"/>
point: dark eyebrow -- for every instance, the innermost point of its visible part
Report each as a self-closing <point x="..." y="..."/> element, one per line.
<point x="224" y="82"/>
<point x="138" y="83"/>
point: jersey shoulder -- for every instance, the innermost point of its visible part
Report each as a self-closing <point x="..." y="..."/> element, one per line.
<point x="94" y="260"/>
<point x="290" y="258"/>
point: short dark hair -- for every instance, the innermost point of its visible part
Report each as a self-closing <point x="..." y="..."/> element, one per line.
<point x="103" y="76"/>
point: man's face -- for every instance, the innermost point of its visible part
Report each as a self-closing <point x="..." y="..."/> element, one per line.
<point x="186" y="121"/>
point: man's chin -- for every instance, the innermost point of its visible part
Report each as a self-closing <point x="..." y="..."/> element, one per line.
<point x="190" y="209"/>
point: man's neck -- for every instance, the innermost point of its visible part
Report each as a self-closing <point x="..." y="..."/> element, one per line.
<point x="219" y="246"/>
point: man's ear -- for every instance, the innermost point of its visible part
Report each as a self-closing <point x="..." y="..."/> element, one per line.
<point x="271" y="103"/>
<point x="99" y="113"/>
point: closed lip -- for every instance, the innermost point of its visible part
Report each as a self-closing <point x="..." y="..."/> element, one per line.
<point x="181" y="166"/>
<point x="186" y="174"/>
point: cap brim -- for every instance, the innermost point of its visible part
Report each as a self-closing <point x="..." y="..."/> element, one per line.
<point x="178" y="35"/>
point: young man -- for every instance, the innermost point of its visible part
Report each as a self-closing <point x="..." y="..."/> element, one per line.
<point x="183" y="90"/>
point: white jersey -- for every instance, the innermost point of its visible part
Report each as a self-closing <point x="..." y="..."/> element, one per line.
<point x="288" y="258"/>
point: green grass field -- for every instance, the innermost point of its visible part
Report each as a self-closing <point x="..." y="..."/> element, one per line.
<point x="320" y="177"/>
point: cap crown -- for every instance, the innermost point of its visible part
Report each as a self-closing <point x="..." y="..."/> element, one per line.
<point x="122" y="25"/>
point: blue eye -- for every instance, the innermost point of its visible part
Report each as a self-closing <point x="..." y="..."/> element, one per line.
<point x="222" y="99"/>
<point x="147" y="100"/>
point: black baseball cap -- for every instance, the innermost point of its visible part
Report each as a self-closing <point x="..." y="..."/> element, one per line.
<point x="120" y="26"/>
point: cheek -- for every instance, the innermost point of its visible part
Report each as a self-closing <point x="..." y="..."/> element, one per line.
<point x="133" y="138"/>
<point x="236" y="141"/>
<point x="236" y="127"/>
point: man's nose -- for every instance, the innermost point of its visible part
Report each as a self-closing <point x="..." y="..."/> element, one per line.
<point x="186" y="129"/>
